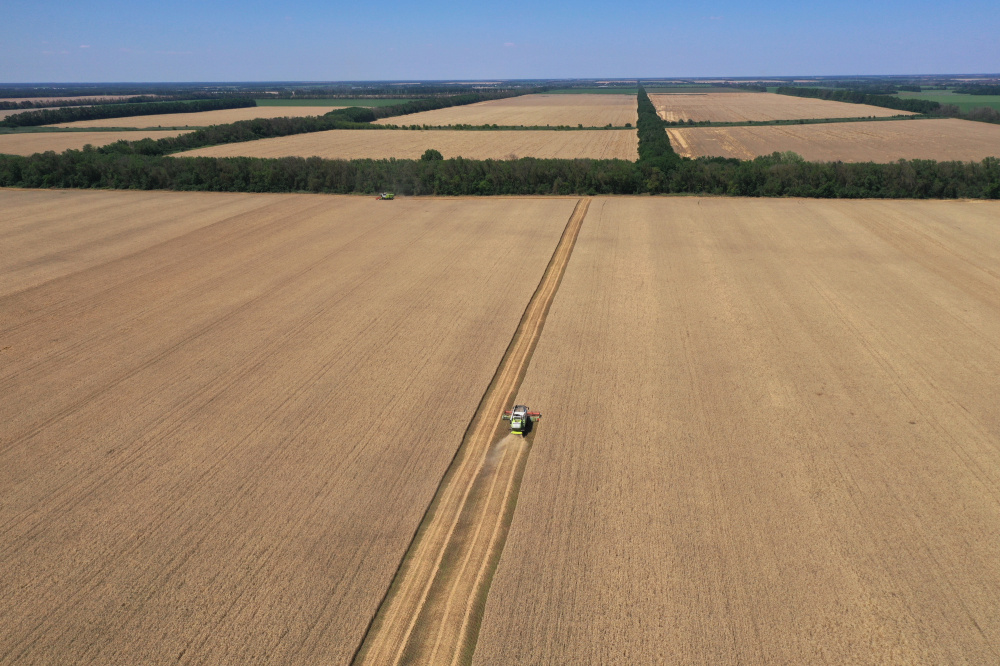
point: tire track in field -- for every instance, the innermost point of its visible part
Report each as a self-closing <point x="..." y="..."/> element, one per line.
<point x="432" y="611"/>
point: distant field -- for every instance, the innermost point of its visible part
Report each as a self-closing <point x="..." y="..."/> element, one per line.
<point x="331" y="102"/>
<point x="963" y="102"/>
<point x="594" y="91"/>
<point x="680" y="90"/>
<point x="589" y="110"/>
<point x="29" y="143"/>
<point x="200" y="118"/>
<point x="737" y="106"/>
<point x="411" y="144"/>
<point x="62" y="99"/>
<point x="937" y="139"/>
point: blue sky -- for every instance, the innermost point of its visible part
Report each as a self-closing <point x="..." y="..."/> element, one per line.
<point x="112" y="40"/>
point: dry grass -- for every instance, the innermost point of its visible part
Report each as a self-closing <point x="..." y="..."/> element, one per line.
<point x="770" y="436"/>
<point x="411" y="144"/>
<point x="884" y="141"/>
<point x="39" y="142"/>
<point x="216" y="442"/>
<point x="588" y="110"/>
<point x="728" y="107"/>
<point x="201" y="118"/>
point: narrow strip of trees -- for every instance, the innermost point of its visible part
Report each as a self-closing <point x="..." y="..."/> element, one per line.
<point x="102" y="111"/>
<point x="655" y="150"/>
<point x="855" y="97"/>
<point x="772" y="176"/>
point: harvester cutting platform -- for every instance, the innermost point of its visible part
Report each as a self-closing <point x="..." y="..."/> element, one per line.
<point x="521" y="419"/>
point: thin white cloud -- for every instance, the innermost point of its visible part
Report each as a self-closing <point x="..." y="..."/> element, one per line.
<point x="84" y="46"/>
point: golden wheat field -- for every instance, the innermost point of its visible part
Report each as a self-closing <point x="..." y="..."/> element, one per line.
<point x="769" y="436"/>
<point x="729" y="107"/>
<point x="878" y="141"/>
<point x="225" y="414"/>
<point x="588" y="110"/>
<point x="411" y="144"/>
<point x="40" y="142"/>
<point x="201" y="118"/>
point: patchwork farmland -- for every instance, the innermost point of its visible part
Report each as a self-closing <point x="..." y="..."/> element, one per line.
<point x="736" y="107"/>
<point x="877" y="141"/>
<point x="411" y="144"/>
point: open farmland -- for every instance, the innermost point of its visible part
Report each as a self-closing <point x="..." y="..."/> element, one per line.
<point x="216" y="440"/>
<point x="877" y="141"/>
<point x="770" y="436"/>
<point x="201" y="118"/>
<point x="734" y="107"/>
<point x="28" y="143"/>
<point x="411" y="144"/>
<point x="587" y="110"/>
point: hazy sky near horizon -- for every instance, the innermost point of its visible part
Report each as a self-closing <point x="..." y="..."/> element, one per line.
<point x="307" y="40"/>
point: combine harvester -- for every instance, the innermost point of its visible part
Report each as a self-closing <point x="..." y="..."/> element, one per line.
<point x="521" y="419"/>
<point x="386" y="196"/>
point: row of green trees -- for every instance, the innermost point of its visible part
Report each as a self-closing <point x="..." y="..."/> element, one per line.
<point x="855" y="97"/>
<point x="978" y="89"/>
<point x="101" y="111"/>
<point x="655" y="150"/>
<point x="775" y="175"/>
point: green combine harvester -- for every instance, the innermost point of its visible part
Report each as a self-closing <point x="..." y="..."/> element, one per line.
<point x="521" y="419"/>
<point x="387" y="196"/>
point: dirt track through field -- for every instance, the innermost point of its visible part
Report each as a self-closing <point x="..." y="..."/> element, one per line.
<point x="432" y="612"/>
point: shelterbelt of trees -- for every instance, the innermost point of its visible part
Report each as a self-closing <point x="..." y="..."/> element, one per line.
<point x="71" y="113"/>
<point x="147" y="164"/>
<point x="855" y="97"/>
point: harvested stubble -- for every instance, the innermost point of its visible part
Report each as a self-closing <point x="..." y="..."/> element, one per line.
<point x="531" y="110"/>
<point x="770" y="436"/>
<point x="730" y="107"/>
<point x="411" y="144"/>
<point x="219" y="439"/>
<point x="879" y="141"/>
<point x="28" y="143"/>
<point x="201" y="118"/>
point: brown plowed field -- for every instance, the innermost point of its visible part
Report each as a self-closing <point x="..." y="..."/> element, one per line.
<point x="882" y="141"/>
<point x="201" y="118"/>
<point x="731" y="107"/>
<point x="770" y="436"/>
<point x="29" y="143"/>
<point x="587" y="110"/>
<point x="221" y="428"/>
<point x="411" y="144"/>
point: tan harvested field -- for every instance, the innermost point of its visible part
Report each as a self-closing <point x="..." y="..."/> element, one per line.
<point x="411" y="144"/>
<point x="225" y="415"/>
<point x="770" y="436"/>
<point x="587" y="110"/>
<point x="730" y="107"/>
<point x="39" y="142"/>
<point x="878" y="141"/>
<point x="201" y="118"/>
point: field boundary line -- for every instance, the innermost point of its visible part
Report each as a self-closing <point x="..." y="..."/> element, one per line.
<point x="405" y="602"/>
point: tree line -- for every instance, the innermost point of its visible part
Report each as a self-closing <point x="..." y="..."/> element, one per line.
<point x="654" y="144"/>
<point x="101" y="111"/>
<point x="978" y="89"/>
<point x="855" y="97"/>
<point x="772" y="176"/>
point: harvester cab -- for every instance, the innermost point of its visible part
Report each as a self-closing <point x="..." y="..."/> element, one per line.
<point x="521" y="419"/>
<point x="387" y="196"/>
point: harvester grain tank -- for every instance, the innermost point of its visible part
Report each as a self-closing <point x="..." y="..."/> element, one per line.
<point x="521" y="419"/>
